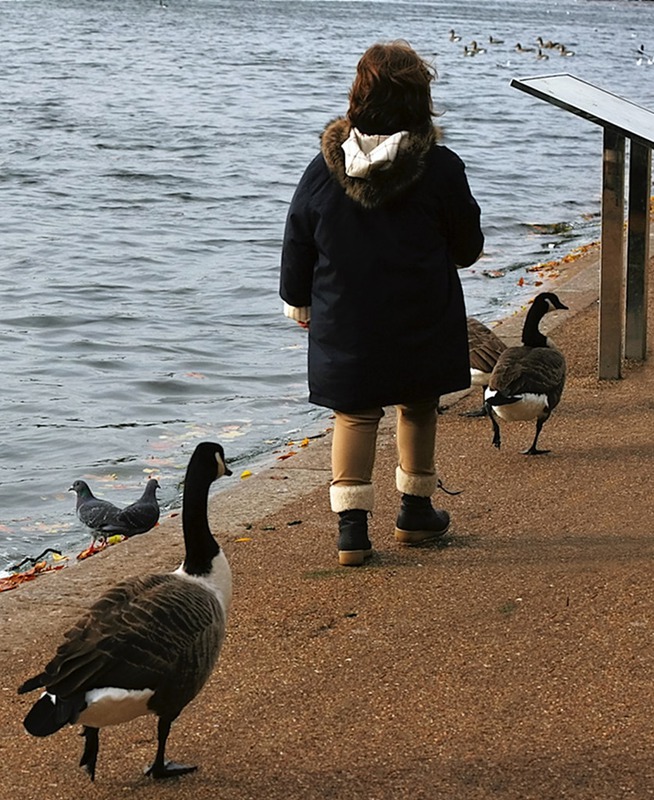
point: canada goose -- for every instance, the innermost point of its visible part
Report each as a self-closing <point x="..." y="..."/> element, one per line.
<point x="527" y="381"/>
<point x="540" y="55"/>
<point x="493" y="40"/>
<point x="454" y="36"/>
<point x="148" y="644"/>
<point x="485" y="348"/>
<point x="138" y="517"/>
<point x="522" y="49"/>
<point x="563" y="50"/>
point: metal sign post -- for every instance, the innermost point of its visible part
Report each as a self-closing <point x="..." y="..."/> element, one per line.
<point x="623" y="282"/>
<point x="640" y="181"/>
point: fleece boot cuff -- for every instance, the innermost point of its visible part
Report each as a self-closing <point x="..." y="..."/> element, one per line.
<point x="421" y="485"/>
<point x="347" y="498"/>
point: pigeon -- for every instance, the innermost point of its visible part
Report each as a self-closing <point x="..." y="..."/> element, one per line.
<point x="139" y="517"/>
<point x="95" y="513"/>
<point x="106" y="519"/>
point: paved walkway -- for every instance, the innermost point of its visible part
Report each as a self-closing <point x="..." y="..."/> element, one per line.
<point x="516" y="662"/>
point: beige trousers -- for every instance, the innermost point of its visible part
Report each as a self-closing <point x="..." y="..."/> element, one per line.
<point x="354" y="445"/>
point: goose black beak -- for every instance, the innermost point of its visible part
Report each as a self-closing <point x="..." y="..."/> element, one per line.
<point x="228" y="471"/>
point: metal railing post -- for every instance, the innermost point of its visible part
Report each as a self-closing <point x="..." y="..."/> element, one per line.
<point x="640" y="178"/>
<point x="612" y="256"/>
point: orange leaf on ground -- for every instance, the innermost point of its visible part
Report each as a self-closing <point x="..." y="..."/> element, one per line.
<point x="286" y="455"/>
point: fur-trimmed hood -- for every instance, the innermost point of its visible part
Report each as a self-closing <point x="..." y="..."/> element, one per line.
<point x="381" y="185"/>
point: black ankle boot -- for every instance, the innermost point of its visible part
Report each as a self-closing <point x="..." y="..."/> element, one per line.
<point x="353" y="542"/>
<point x="419" y="522"/>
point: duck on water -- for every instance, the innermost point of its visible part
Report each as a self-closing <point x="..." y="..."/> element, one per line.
<point x="527" y="381"/>
<point x="149" y="644"/>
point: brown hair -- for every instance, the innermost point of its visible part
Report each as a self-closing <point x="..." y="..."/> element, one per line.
<point x="391" y="90"/>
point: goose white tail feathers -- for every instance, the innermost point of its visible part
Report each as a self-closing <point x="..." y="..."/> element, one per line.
<point x="149" y="644"/>
<point x="527" y="381"/>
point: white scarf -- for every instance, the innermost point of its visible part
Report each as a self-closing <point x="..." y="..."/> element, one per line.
<point x="365" y="153"/>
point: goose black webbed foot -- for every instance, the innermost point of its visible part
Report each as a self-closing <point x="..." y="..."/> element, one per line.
<point x="168" y="769"/>
<point x="534" y="451"/>
<point x="160" y="768"/>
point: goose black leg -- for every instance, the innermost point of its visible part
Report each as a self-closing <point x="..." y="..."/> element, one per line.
<point x="161" y="768"/>
<point x="496" y="428"/>
<point x="533" y="450"/>
<point x="91" y="747"/>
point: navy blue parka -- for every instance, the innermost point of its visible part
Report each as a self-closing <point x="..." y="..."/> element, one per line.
<point x="376" y="261"/>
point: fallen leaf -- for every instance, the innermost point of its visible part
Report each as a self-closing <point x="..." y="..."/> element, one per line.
<point x="246" y="473"/>
<point x="286" y="455"/>
<point x="243" y="539"/>
<point x="12" y="581"/>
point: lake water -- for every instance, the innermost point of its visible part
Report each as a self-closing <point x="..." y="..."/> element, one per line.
<point x="147" y="156"/>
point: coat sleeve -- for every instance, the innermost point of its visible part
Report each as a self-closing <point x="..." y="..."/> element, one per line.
<point x="299" y="252"/>
<point x="464" y="234"/>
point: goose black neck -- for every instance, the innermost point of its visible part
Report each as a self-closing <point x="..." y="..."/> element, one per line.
<point x="531" y="335"/>
<point x="201" y="548"/>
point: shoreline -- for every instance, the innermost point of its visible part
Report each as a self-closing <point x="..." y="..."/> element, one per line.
<point x="547" y="276"/>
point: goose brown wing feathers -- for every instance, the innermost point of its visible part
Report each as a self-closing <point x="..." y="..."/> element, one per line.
<point x="485" y="346"/>
<point x="538" y="370"/>
<point x="138" y="635"/>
